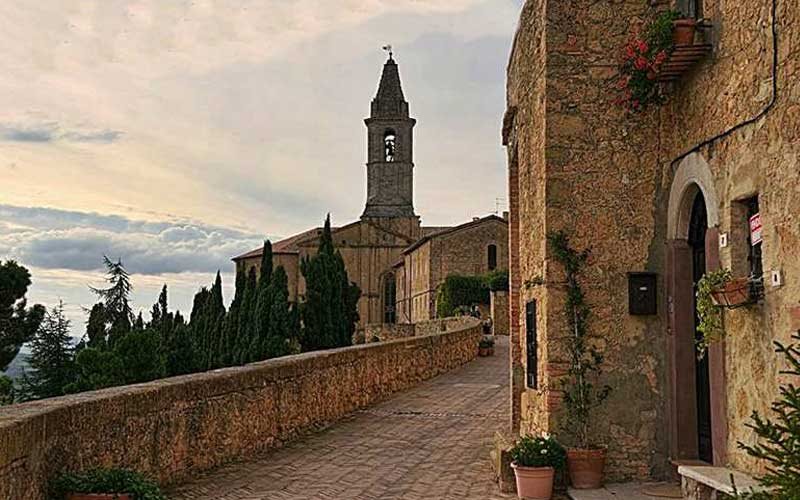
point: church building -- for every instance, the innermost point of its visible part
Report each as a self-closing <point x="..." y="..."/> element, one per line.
<point x="377" y="247"/>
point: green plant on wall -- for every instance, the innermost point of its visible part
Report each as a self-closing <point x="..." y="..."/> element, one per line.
<point x="581" y="394"/>
<point x="779" y="438"/>
<point x="106" y="481"/>
<point x="641" y="59"/>
<point x="710" y="320"/>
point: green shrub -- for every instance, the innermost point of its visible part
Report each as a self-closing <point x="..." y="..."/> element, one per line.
<point x="539" y="452"/>
<point x="106" y="481"/>
<point x="779" y="437"/>
<point x="460" y="291"/>
<point x="497" y="281"/>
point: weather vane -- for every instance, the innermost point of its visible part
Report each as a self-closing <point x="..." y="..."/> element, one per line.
<point x="388" y="48"/>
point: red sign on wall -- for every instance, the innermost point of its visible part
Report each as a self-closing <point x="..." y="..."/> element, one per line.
<point x="755" y="229"/>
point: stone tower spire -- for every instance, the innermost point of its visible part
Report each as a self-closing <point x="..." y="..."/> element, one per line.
<point x="390" y="159"/>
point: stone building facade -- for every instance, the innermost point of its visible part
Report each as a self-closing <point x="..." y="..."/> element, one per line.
<point x="471" y="249"/>
<point x="389" y="225"/>
<point x="668" y="191"/>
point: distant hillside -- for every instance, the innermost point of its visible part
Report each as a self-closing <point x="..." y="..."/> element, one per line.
<point x="20" y="362"/>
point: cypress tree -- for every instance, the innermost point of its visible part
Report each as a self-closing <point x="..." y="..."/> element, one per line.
<point x="263" y="306"/>
<point x="279" y="335"/>
<point x="246" y="328"/>
<point x="51" y="359"/>
<point x="97" y="326"/>
<point x="329" y="312"/>
<point x="198" y="320"/>
<point x="230" y="325"/>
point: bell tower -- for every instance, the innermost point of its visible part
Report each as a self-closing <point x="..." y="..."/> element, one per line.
<point x="390" y="152"/>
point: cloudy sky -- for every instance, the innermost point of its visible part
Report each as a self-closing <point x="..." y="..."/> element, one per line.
<point x="176" y="134"/>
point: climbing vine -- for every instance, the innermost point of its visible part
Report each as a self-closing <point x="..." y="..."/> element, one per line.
<point x="581" y="396"/>
<point x="710" y="320"/>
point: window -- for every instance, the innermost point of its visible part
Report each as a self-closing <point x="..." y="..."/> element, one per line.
<point x="389" y="145"/>
<point x="531" y="345"/>
<point x="691" y="8"/>
<point x="756" y="267"/>
<point x="389" y="299"/>
<point x="491" y="257"/>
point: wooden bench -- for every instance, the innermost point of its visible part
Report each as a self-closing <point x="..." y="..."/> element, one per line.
<point x="704" y="482"/>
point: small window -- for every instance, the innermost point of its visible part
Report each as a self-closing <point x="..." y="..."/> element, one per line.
<point x="531" y="346"/>
<point x="756" y="266"/>
<point x="491" y="257"/>
<point x="691" y="8"/>
<point x="389" y="299"/>
<point x="389" y="145"/>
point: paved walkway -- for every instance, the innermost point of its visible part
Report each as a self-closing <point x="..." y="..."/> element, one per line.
<point x="431" y="442"/>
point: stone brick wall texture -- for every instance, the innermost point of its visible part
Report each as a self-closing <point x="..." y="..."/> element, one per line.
<point x="174" y="427"/>
<point x="585" y="167"/>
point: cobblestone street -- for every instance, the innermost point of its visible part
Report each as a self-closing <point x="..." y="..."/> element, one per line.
<point x="431" y="442"/>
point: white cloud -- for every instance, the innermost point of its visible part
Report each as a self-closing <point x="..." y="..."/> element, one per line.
<point x="57" y="239"/>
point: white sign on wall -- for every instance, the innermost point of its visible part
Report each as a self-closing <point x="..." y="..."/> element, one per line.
<point x="755" y="229"/>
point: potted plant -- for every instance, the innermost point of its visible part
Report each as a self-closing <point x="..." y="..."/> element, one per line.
<point x="586" y="459"/>
<point x="486" y="346"/>
<point x="683" y="30"/>
<point x="535" y="460"/>
<point x="105" y="484"/>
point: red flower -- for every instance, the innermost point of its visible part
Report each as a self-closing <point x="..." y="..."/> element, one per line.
<point x="641" y="63"/>
<point x="642" y="46"/>
<point x="629" y="52"/>
<point x="623" y="82"/>
<point x="660" y="58"/>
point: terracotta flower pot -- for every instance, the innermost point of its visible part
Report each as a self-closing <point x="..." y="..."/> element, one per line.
<point x="485" y="351"/>
<point x="534" y="483"/>
<point x="99" y="496"/>
<point x="586" y="468"/>
<point x="735" y="292"/>
<point x="683" y="31"/>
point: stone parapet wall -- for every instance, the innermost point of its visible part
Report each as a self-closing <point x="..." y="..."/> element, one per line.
<point x="173" y="427"/>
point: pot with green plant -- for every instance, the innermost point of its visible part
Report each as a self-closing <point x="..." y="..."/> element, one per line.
<point x="486" y="346"/>
<point x="105" y="484"/>
<point x="582" y="394"/>
<point x="535" y="461"/>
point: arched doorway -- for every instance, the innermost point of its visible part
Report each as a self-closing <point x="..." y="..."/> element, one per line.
<point x="698" y="231"/>
<point x="389" y="298"/>
<point x="698" y="428"/>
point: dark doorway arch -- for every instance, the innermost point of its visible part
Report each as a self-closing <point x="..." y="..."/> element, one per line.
<point x="698" y="230"/>
<point x="389" y="299"/>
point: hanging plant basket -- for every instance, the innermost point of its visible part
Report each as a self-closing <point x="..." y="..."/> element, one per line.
<point x="734" y="293"/>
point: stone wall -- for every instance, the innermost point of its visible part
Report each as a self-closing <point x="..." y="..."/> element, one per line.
<point x="174" y="427"/>
<point x="582" y="165"/>
<point x="461" y="250"/>
<point x="499" y="312"/>
<point x="388" y="331"/>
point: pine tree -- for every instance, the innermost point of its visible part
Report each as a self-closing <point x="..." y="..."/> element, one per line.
<point x="329" y="313"/>
<point x="51" y="359"/>
<point x="116" y="300"/>
<point x="779" y="438"/>
<point x="17" y="322"/>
